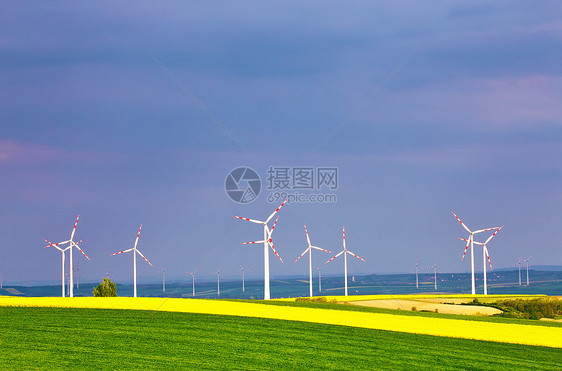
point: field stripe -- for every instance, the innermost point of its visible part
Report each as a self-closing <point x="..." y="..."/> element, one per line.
<point x="461" y="328"/>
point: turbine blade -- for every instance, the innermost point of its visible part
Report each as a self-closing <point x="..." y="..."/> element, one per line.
<point x="276" y="210"/>
<point x="270" y="231"/>
<point x="344" y="238"/>
<point x="137" y="239"/>
<point x="338" y="254"/>
<point x="321" y="249"/>
<point x="272" y="228"/>
<point x="140" y="253"/>
<point x="301" y="255"/>
<point x="466" y="248"/>
<point x="460" y="221"/>
<point x="74" y="229"/>
<point x="492" y="236"/>
<point x="247" y="219"/>
<point x="307" y="238"/>
<point x="486" y="230"/>
<point x="488" y="256"/>
<point x="83" y="253"/>
<point x="54" y="244"/>
<point x="275" y="251"/>
<point x="121" y="252"/>
<point x="251" y="242"/>
<point x="354" y="255"/>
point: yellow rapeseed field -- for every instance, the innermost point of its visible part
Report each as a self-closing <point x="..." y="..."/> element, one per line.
<point x="418" y="296"/>
<point x="461" y="328"/>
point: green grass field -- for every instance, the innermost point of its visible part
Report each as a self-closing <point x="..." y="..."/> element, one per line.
<point x="32" y="338"/>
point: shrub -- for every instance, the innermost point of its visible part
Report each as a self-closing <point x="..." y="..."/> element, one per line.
<point x="106" y="288"/>
<point x="320" y="299"/>
<point x="529" y="308"/>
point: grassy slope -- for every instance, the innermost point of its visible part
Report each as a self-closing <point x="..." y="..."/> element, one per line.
<point x="88" y="338"/>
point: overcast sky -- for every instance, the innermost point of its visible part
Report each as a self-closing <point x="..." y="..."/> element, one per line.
<point x="423" y="108"/>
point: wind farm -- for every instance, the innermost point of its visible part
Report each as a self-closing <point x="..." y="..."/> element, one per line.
<point x="348" y="140"/>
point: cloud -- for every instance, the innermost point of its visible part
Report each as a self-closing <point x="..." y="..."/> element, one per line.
<point x="26" y="153"/>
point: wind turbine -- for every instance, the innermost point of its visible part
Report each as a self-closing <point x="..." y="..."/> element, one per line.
<point x="435" y="270"/>
<point x="309" y="251"/>
<point x="218" y="273"/>
<point x="266" y="241"/>
<point x="243" y="271"/>
<point x="71" y="244"/>
<point x="417" y="268"/>
<point x="527" y="264"/>
<point x="519" y="265"/>
<point x="319" y="278"/>
<point x="485" y="255"/>
<point x="163" y="278"/>
<point x="55" y="245"/>
<point x="135" y="252"/>
<point x="345" y="251"/>
<point x="193" y="279"/>
<point x="470" y="241"/>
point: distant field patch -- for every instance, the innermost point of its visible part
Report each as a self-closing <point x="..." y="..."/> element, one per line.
<point x="461" y="328"/>
<point x="429" y="306"/>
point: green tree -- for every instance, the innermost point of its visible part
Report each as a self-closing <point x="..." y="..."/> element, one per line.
<point x="106" y="288"/>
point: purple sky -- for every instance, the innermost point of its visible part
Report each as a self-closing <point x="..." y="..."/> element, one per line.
<point x="467" y="119"/>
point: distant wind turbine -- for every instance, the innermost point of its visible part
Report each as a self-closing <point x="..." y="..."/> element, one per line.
<point x="470" y="241"/>
<point x="135" y="252"/>
<point x="242" y="274"/>
<point x="163" y="278"/>
<point x="319" y="277"/>
<point x="345" y="251"/>
<point x="485" y="254"/>
<point x="435" y="270"/>
<point x="527" y="265"/>
<point x="309" y="251"/>
<point x="218" y="273"/>
<point x="416" y="268"/>
<point x="192" y="274"/>
<point x="519" y="265"/>
<point x="71" y="244"/>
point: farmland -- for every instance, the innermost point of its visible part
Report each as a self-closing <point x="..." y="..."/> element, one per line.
<point x="85" y="338"/>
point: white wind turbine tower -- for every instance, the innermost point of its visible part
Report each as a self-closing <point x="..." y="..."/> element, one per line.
<point x="218" y="273"/>
<point x="319" y="278"/>
<point x="55" y="245"/>
<point x="243" y="271"/>
<point x="71" y="244"/>
<point x="135" y="252"/>
<point x="192" y="274"/>
<point x="345" y="251"/>
<point x="417" y="268"/>
<point x="470" y="241"/>
<point x="266" y="241"/>
<point x="435" y="270"/>
<point x="519" y="265"/>
<point x="163" y="278"/>
<point x="485" y="255"/>
<point x="309" y="251"/>
<point x="527" y="264"/>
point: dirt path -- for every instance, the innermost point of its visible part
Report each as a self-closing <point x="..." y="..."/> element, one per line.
<point x="429" y="305"/>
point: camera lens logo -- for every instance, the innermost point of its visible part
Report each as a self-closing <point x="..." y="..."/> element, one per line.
<point x="242" y="185"/>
